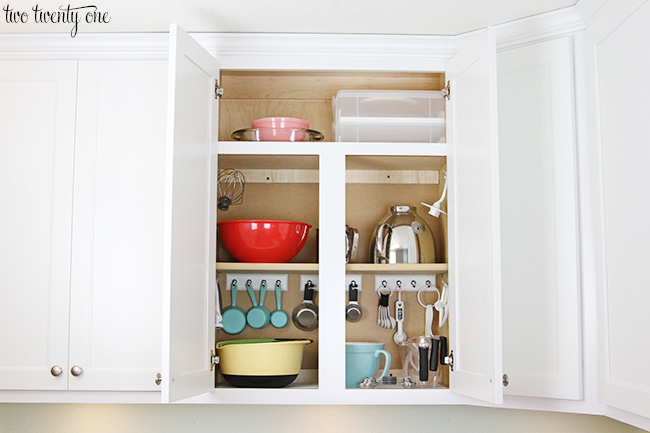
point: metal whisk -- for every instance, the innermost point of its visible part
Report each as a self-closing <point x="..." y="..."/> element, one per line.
<point x="230" y="188"/>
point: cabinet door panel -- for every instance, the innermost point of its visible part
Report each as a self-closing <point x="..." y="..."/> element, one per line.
<point x="37" y="121"/>
<point x="474" y="277"/>
<point x="617" y="40"/>
<point x="117" y="259"/>
<point x="191" y="219"/>
<point x="539" y="234"/>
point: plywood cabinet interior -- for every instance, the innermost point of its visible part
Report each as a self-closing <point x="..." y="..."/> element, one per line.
<point x="250" y="95"/>
<point x="370" y="191"/>
<point x="475" y="310"/>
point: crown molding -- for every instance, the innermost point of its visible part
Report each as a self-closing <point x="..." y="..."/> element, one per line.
<point x="300" y="51"/>
<point x="589" y="10"/>
<point x="42" y="46"/>
<point x="539" y="28"/>
<point x="329" y="51"/>
<point x="247" y="50"/>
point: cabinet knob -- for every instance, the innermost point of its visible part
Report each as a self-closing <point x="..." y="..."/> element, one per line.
<point x="76" y="371"/>
<point x="56" y="371"/>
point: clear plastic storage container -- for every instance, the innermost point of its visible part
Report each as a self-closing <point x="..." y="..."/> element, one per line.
<point x="389" y="115"/>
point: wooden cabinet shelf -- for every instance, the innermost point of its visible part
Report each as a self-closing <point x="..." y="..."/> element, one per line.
<point x="398" y="268"/>
<point x="289" y="268"/>
<point x="369" y="268"/>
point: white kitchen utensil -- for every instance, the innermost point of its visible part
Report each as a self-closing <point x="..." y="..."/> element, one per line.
<point x="428" y="314"/>
<point x="434" y="209"/>
<point x="400" y="336"/>
<point x="218" y="320"/>
<point x="442" y="305"/>
<point x="384" y="319"/>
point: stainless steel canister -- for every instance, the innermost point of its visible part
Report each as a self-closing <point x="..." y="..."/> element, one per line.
<point x="402" y="237"/>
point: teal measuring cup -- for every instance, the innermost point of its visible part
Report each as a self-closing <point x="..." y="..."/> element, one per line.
<point x="279" y="317"/>
<point x="233" y="317"/>
<point x="258" y="316"/>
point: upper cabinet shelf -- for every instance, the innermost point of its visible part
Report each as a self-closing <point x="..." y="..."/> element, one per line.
<point x="318" y="148"/>
<point x="250" y="95"/>
<point x="398" y="268"/>
<point x="370" y="268"/>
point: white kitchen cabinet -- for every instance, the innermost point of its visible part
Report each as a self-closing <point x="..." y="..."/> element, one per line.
<point x="190" y="219"/>
<point x="117" y="232"/>
<point x="474" y="241"/>
<point x="82" y="294"/>
<point x="539" y="221"/>
<point x="188" y="277"/>
<point x="37" y="120"/>
<point x="474" y="247"/>
<point x="617" y="216"/>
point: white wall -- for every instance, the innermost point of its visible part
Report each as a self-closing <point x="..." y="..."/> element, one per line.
<point x="422" y="17"/>
<point x="50" y="418"/>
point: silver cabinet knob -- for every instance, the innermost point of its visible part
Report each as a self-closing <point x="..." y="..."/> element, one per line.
<point x="56" y="371"/>
<point x="76" y="371"/>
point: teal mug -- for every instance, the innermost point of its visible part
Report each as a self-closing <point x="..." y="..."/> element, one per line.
<point x="362" y="360"/>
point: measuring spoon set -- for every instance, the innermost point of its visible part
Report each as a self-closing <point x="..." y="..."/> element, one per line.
<point x="258" y="316"/>
<point x="387" y="321"/>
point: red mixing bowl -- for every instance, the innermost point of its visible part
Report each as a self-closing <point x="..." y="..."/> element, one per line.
<point x="263" y="241"/>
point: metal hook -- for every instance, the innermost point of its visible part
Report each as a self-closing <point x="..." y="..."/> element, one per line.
<point x="384" y="285"/>
<point x="398" y="285"/>
<point x="428" y="283"/>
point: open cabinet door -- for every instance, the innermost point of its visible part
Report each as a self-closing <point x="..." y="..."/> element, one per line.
<point x="190" y="244"/>
<point x="619" y="209"/>
<point x="474" y="276"/>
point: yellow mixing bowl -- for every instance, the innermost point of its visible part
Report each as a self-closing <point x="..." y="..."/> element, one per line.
<point x="266" y="363"/>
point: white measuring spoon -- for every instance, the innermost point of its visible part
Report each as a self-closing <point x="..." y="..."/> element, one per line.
<point x="400" y="336"/>
<point x="428" y="313"/>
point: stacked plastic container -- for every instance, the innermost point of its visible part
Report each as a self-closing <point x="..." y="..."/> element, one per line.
<point x="406" y="116"/>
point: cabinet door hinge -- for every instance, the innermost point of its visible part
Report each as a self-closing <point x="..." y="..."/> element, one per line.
<point x="214" y="360"/>
<point x="449" y="360"/>
<point x="446" y="92"/>
<point x="218" y="91"/>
